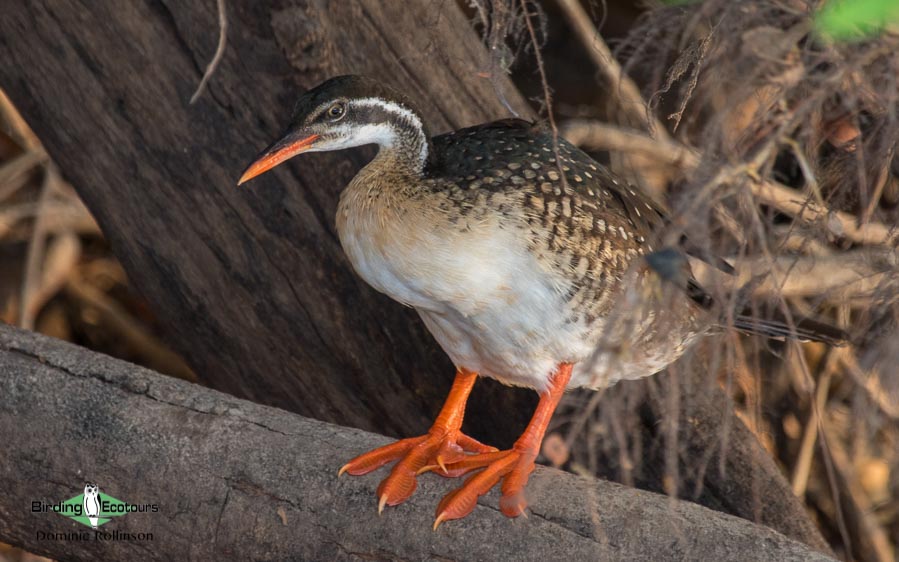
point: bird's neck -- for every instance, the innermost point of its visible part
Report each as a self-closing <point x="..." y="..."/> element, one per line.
<point x="404" y="144"/>
<point x="407" y="157"/>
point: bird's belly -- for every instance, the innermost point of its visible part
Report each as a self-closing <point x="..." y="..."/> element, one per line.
<point x="481" y="293"/>
<point x="519" y="346"/>
<point x="492" y="307"/>
<point x="503" y="344"/>
<point x="438" y="267"/>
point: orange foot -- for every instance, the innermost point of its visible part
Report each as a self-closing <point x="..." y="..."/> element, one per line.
<point x="444" y="444"/>
<point x="513" y="466"/>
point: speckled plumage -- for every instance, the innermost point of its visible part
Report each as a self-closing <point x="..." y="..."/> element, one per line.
<point x="493" y="196"/>
<point x="589" y="226"/>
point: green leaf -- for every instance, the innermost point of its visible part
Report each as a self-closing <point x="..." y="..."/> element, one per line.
<point x="856" y="19"/>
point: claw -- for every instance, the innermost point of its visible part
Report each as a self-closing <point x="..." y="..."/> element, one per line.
<point x="441" y="464"/>
<point x="513" y="504"/>
<point x="382" y="503"/>
<point x="343" y="469"/>
<point x="440" y="519"/>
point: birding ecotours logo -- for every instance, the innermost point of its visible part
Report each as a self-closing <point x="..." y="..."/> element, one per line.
<point x="91" y="503"/>
<point x="92" y="508"/>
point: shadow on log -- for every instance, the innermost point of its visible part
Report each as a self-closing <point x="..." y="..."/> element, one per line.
<point x="236" y="480"/>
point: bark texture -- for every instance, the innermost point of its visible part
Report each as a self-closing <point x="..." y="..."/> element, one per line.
<point x="251" y="284"/>
<point x="238" y="481"/>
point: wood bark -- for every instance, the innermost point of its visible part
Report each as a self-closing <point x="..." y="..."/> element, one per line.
<point x="234" y="480"/>
<point x="251" y="283"/>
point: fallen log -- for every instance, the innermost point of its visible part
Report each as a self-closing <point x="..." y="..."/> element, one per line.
<point x="237" y="480"/>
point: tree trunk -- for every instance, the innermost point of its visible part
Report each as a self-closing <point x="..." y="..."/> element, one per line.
<point x="251" y="283"/>
<point x="233" y="480"/>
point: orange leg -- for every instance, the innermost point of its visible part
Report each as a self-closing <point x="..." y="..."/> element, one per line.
<point x="513" y="467"/>
<point x="444" y="444"/>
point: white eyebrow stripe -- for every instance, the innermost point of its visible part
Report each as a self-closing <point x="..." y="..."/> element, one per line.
<point x="392" y="107"/>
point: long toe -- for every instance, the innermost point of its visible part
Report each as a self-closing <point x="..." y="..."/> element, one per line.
<point x="376" y="458"/>
<point x="461" y="502"/>
<point x="467" y="464"/>
<point x="472" y="445"/>
<point x="397" y="487"/>
<point x="401" y="483"/>
<point x="435" y="451"/>
<point x="513" y="503"/>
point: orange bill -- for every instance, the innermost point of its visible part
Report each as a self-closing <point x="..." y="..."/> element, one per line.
<point x="277" y="153"/>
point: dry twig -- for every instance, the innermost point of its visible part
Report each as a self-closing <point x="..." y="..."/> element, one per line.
<point x="626" y="93"/>
<point x="35" y="259"/>
<point x="779" y="196"/>
<point x="803" y="466"/>
<point x="145" y="344"/>
<point x="874" y="540"/>
<point x="219" y="51"/>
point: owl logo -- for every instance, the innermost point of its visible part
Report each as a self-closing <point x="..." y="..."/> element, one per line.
<point x="92" y="503"/>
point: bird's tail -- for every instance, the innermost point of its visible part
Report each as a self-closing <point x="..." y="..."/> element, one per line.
<point x="672" y="265"/>
<point x="804" y="329"/>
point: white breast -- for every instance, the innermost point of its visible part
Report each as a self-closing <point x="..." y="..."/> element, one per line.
<point x="479" y="290"/>
<point x="484" y="296"/>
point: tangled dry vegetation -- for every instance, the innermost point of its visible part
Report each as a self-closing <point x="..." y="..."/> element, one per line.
<point x="777" y="148"/>
<point x="771" y="145"/>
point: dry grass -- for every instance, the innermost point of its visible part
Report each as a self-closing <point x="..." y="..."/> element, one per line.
<point x="58" y="275"/>
<point x="780" y="155"/>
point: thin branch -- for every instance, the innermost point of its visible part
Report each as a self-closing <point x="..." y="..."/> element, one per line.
<point x="870" y="382"/>
<point x="874" y="540"/>
<point x="838" y="223"/>
<point x="219" y="51"/>
<point x="62" y="256"/>
<point x="603" y="136"/>
<point x="803" y="466"/>
<point x="599" y="135"/>
<point x="35" y="259"/>
<point x="547" y="95"/>
<point x="138" y="338"/>
<point x="12" y="173"/>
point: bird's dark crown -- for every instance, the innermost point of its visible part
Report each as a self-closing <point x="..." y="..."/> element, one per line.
<point x="346" y="89"/>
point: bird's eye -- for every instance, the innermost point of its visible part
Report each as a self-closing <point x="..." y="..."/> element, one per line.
<point x="336" y="111"/>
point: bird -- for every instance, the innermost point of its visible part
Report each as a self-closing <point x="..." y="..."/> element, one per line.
<point x="91" y="503"/>
<point x="527" y="260"/>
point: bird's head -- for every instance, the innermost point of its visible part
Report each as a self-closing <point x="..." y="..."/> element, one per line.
<point x="344" y="112"/>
